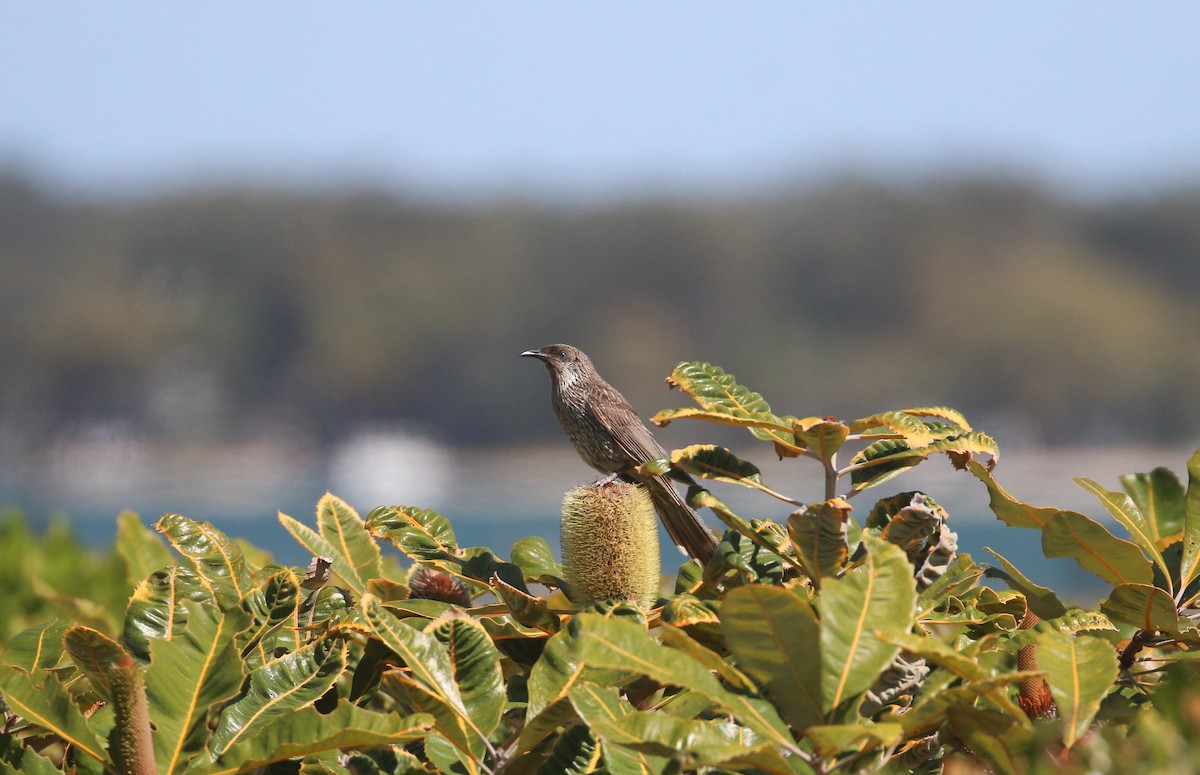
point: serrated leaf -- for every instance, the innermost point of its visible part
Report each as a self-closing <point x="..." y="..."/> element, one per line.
<point x="422" y="534"/>
<point x="879" y="595"/>
<point x="1080" y="671"/>
<point x="1123" y="510"/>
<point x="192" y="672"/>
<point x="1071" y="534"/>
<point x="775" y="638"/>
<point x="818" y="533"/>
<point x="140" y="549"/>
<point x="1008" y="509"/>
<point x="341" y="526"/>
<point x="218" y="561"/>
<point x="284" y="686"/>
<point x="722" y="399"/>
<point x="1161" y="499"/>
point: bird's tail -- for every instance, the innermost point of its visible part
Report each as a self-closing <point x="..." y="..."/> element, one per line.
<point x="683" y="524"/>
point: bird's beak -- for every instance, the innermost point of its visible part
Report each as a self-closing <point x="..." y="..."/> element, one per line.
<point x="533" y="354"/>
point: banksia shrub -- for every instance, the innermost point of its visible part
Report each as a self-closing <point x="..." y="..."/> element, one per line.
<point x="609" y="535"/>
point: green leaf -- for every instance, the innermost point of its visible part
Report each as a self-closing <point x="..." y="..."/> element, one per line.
<point x="535" y="558"/>
<point x="887" y="458"/>
<point x="274" y="602"/>
<point x="997" y="738"/>
<point x="141" y="550"/>
<point x="575" y="752"/>
<point x="1008" y="509"/>
<point x="965" y="666"/>
<point x="422" y="534"/>
<point x="307" y="732"/>
<point x="1143" y="606"/>
<point x="281" y="687"/>
<point x="599" y="707"/>
<point x="1123" y="510"/>
<point x="316" y="545"/>
<point x="217" y="560"/>
<point x="23" y="759"/>
<point x="822" y="437"/>
<point x="550" y="682"/>
<point x="709" y="461"/>
<point x="432" y="687"/>
<point x="829" y="740"/>
<point x="1041" y="600"/>
<point x="818" y="533"/>
<point x="1160" y="498"/>
<point x="1071" y="534"/>
<point x="95" y="654"/>
<point x="879" y="595"/>
<point x="191" y="673"/>
<point x="1080" y="671"/>
<point x="879" y="462"/>
<point x="476" y="664"/>
<point x="677" y="638"/>
<point x="775" y="638"/>
<point x="1189" y="567"/>
<point x="36" y="648"/>
<point x="526" y="609"/>
<point x="723" y="400"/>
<point x="638" y="741"/>
<point x="933" y="705"/>
<point x="341" y="526"/>
<point x="40" y="699"/>
<point x="156" y="610"/>
<point x="623" y="645"/>
<point x="904" y="424"/>
<point x="425" y="656"/>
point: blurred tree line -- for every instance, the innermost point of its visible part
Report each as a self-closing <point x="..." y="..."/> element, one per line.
<point x="214" y="313"/>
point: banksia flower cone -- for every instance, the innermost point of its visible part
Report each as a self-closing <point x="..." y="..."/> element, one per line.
<point x="609" y="535"/>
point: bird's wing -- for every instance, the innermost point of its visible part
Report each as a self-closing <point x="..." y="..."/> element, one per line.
<point x="631" y="435"/>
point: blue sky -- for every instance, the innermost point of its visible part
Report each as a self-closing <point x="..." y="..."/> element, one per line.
<point x="573" y="99"/>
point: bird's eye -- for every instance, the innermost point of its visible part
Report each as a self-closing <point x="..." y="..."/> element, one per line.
<point x="562" y="355"/>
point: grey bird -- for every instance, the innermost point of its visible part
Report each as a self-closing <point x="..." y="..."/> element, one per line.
<point x="610" y="438"/>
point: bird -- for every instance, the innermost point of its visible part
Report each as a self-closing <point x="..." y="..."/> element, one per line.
<point x="608" y="435"/>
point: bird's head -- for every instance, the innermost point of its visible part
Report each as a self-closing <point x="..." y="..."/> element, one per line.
<point x="565" y="362"/>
